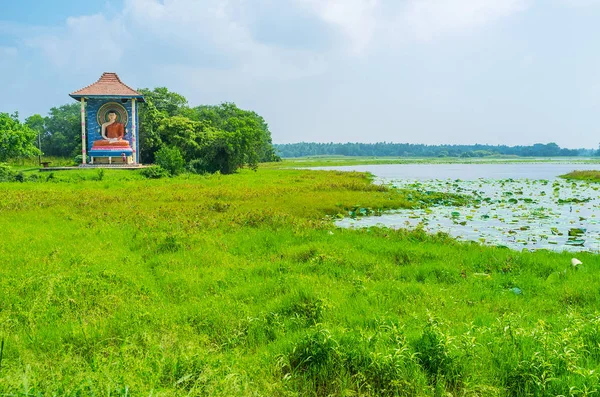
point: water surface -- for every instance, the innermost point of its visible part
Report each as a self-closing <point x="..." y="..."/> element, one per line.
<point x="467" y="171"/>
<point x="515" y="205"/>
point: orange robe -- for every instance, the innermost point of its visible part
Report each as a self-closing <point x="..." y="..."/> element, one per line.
<point x="115" y="130"/>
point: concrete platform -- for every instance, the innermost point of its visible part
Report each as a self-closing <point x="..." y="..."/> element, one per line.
<point x="94" y="166"/>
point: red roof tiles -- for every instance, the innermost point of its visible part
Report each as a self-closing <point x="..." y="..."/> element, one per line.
<point x="107" y="85"/>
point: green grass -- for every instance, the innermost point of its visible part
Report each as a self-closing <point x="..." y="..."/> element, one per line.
<point x="240" y="285"/>
<point x="33" y="162"/>
<point x="591" y="176"/>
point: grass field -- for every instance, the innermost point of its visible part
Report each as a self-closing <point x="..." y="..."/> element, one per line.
<point x="591" y="176"/>
<point x="114" y="285"/>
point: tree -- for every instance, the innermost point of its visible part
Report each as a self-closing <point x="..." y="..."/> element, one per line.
<point x="16" y="139"/>
<point x="228" y="117"/>
<point x="149" y="136"/>
<point x="170" y="159"/>
<point x="160" y="104"/>
<point x="222" y="138"/>
<point x="170" y="103"/>
<point x="183" y="133"/>
<point x="36" y="123"/>
<point x="62" y="131"/>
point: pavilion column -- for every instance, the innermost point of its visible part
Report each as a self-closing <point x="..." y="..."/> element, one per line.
<point x="134" y="131"/>
<point x="83" y="145"/>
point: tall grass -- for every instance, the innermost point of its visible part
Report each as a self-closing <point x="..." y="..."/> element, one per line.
<point x="240" y="285"/>
<point x="592" y="176"/>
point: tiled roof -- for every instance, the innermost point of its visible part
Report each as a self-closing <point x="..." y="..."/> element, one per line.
<point x="107" y="84"/>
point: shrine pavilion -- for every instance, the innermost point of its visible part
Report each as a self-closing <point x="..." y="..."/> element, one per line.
<point x="109" y="120"/>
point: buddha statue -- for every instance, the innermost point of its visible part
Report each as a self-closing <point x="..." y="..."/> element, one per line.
<point x="112" y="134"/>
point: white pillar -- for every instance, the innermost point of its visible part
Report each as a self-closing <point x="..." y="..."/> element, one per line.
<point x="134" y="132"/>
<point x="83" y="145"/>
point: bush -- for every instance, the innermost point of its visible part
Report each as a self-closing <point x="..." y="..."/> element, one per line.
<point x="198" y="166"/>
<point x="437" y="357"/>
<point x="170" y="159"/>
<point x="154" y="172"/>
<point x="100" y="174"/>
<point x="78" y="159"/>
<point x="6" y="173"/>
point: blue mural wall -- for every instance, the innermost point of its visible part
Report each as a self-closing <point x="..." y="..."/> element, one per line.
<point x="94" y="130"/>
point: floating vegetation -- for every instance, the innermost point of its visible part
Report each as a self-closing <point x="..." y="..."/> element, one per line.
<point x="534" y="214"/>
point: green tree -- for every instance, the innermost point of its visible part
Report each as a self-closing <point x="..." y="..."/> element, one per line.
<point x="16" y="139"/>
<point x="160" y="104"/>
<point x="170" y="103"/>
<point x="170" y="159"/>
<point x="36" y="123"/>
<point x="183" y="133"/>
<point x="224" y="152"/>
<point x="149" y="136"/>
<point x="62" y="131"/>
<point x="221" y="138"/>
<point x="228" y="117"/>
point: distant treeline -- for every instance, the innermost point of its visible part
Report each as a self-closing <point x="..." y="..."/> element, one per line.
<point x="386" y="149"/>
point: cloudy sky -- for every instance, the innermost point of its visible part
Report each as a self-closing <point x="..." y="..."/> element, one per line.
<point x="511" y="72"/>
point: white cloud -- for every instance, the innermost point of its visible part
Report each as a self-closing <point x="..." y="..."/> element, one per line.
<point x="429" y="19"/>
<point x="190" y="23"/>
<point x="364" y="22"/>
<point x="216" y="29"/>
<point x="84" y="42"/>
<point x="581" y="3"/>
<point x="218" y="34"/>
<point x="357" y="19"/>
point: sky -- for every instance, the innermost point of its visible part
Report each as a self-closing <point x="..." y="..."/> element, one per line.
<point x="514" y="72"/>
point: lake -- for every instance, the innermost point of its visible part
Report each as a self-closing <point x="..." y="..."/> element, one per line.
<point x="520" y="206"/>
<point x="467" y="171"/>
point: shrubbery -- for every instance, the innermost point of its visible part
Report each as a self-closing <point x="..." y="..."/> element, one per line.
<point x="170" y="159"/>
<point x="154" y="172"/>
<point x="6" y="173"/>
<point x="79" y="159"/>
<point x="16" y="139"/>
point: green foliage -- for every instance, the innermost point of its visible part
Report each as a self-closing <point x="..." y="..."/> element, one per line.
<point x="7" y="174"/>
<point x="154" y="172"/>
<point x="77" y="160"/>
<point x="328" y="364"/>
<point x="170" y="159"/>
<point x="434" y="355"/>
<point x="160" y="104"/>
<point x="227" y="152"/>
<point x="228" y="117"/>
<point x="224" y="137"/>
<point x="387" y="149"/>
<point x="16" y="139"/>
<point x="165" y="101"/>
<point x="197" y="166"/>
<point x="62" y="131"/>
<point x="100" y="174"/>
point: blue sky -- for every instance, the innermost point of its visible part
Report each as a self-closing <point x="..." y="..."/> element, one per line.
<point x="513" y="72"/>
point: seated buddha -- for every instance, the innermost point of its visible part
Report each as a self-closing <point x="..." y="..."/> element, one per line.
<point x="112" y="134"/>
